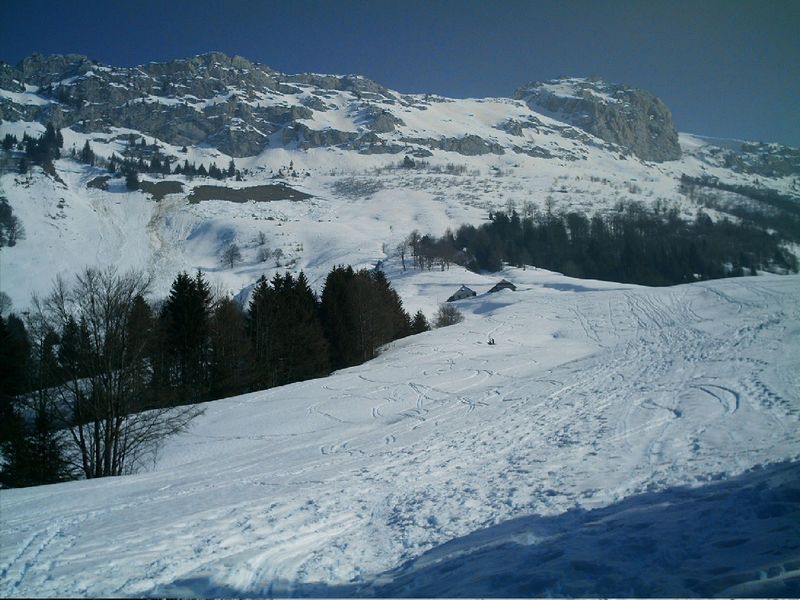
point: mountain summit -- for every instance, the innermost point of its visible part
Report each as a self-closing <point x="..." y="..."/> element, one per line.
<point x="632" y="118"/>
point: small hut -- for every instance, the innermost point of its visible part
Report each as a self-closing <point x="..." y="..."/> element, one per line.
<point x="503" y="285"/>
<point x="463" y="292"/>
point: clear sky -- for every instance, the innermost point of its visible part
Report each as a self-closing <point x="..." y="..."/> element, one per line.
<point x="726" y="68"/>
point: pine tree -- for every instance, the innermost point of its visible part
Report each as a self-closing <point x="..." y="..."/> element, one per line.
<point x="305" y="347"/>
<point x="283" y="322"/>
<point x="339" y="317"/>
<point x="360" y="312"/>
<point x="9" y="141"/>
<point x="419" y="323"/>
<point x="185" y="318"/>
<point x="230" y="350"/>
<point x="87" y="155"/>
<point x="15" y="469"/>
<point x="15" y="356"/>
<point x="259" y="324"/>
<point x="15" y="352"/>
<point x="132" y="180"/>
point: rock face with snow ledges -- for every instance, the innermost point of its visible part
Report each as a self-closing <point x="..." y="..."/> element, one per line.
<point x="227" y="102"/>
<point x="633" y="118"/>
<point x="241" y="108"/>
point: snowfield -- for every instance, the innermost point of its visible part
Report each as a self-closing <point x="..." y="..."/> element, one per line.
<point x="617" y="440"/>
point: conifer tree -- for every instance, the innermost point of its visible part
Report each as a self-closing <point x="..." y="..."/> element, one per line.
<point x="132" y="180"/>
<point x="339" y="316"/>
<point x="283" y="321"/>
<point x="419" y="323"/>
<point x="87" y="155"/>
<point x="230" y="350"/>
<point x="9" y="141"/>
<point x="185" y="320"/>
<point x="259" y="323"/>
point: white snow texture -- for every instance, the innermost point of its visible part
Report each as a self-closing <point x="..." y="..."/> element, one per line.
<point x="616" y="440"/>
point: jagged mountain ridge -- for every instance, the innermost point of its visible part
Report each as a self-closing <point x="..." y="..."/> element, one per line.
<point x="240" y="107"/>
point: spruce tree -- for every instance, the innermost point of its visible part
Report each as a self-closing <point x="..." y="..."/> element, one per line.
<point x="185" y="321"/>
<point x="132" y="180"/>
<point x="87" y="155"/>
<point x="419" y="323"/>
<point x="259" y="325"/>
<point x="306" y="350"/>
<point x="339" y="317"/>
<point x="230" y="350"/>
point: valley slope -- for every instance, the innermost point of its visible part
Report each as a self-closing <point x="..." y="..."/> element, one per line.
<point x="377" y="163"/>
<point x="606" y="445"/>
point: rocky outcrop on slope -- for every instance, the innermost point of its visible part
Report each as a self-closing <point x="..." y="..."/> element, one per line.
<point x="632" y="118"/>
<point x="228" y="102"/>
<point x="468" y="145"/>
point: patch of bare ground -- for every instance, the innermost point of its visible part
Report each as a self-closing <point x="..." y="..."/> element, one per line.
<point x="100" y="183"/>
<point x="159" y="189"/>
<point x="257" y="193"/>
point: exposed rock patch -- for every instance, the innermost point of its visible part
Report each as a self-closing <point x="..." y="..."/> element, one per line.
<point x="633" y="118"/>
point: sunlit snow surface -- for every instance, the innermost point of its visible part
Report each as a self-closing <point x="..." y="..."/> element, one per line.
<point x="617" y="440"/>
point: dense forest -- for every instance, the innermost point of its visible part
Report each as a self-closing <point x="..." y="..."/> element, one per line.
<point x="98" y="361"/>
<point x="633" y="244"/>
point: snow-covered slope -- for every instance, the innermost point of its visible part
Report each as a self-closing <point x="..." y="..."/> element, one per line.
<point x="604" y="446"/>
<point x="341" y="139"/>
<point x="361" y="207"/>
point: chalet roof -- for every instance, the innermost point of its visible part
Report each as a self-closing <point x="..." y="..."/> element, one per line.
<point x="462" y="292"/>
<point x="502" y="285"/>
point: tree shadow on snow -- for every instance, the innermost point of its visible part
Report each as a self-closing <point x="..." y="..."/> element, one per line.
<point x="736" y="537"/>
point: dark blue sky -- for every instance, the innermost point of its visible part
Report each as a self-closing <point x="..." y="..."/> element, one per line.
<point x="727" y="68"/>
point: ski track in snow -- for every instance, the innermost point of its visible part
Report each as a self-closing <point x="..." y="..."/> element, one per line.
<point x="587" y="399"/>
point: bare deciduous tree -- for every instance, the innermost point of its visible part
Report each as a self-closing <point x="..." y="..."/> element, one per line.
<point x="263" y="254"/>
<point x="402" y="248"/>
<point x="103" y="369"/>
<point x="231" y="255"/>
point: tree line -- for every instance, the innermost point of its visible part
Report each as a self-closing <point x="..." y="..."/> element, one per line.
<point x="138" y="158"/>
<point x="96" y="376"/>
<point x="632" y="244"/>
<point x="766" y="208"/>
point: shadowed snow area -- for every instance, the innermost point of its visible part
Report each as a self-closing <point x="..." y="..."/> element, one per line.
<point x="628" y="441"/>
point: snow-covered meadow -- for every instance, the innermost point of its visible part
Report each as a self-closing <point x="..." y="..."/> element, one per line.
<point x="616" y="440"/>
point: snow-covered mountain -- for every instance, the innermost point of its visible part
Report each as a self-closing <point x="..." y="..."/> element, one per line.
<point x="241" y="108"/>
<point x="616" y="440"/>
<point x="344" y="140"/>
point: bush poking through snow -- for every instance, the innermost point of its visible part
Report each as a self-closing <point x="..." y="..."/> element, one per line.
<point x="447" y="315"/>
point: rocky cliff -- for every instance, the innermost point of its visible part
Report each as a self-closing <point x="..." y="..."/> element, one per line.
<point x="632" y="118"/>
<point x="227" y="102"/>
